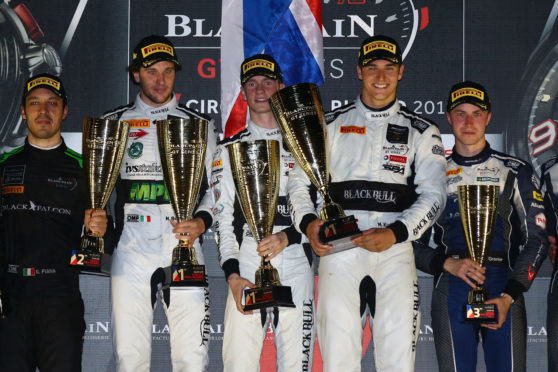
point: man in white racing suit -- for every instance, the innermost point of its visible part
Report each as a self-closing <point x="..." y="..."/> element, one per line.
<point x="387" y="168"/>
<point x="240" y="255"/>
<point x="145" y="227"/>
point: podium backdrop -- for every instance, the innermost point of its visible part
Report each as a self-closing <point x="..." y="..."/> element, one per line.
<point x="511" y="47"/>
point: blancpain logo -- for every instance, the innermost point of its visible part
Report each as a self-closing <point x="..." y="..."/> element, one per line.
<point x="32" y="207"/>
<point x="69" y="183"/>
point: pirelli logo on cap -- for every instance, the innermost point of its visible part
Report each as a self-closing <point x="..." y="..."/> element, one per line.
<point x="378" y="44"/>
<point x="13" y="190"/>
<point x="157" y="48"/>
<point x="353" y="129"/>
<point x="139" y="123"/>
<point x="258" y="63"/>
<point x="467" y="92"/>
<point x="217" y="163"/>
<point x="42" y="81"/>
<point x="453" y="172"/>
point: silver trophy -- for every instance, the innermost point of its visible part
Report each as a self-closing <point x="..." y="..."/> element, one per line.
<point x="104" y="142"/>
<point x="299" y="113"/>
<point x="182" y="147"/>
<point x="477" y="207"/>
<point x="256" y="172"/>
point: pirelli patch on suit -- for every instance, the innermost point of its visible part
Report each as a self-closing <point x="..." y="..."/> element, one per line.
<point x="352" y="129"/>
<point x="139" y="123"/>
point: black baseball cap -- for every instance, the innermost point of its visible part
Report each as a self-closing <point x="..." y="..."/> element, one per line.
<point x="379" y="47"/>
<point x="468" y="92"/>
<point x="153" y="49"/>
<point x="260" y="64"/>
<point x="48" y="81"/>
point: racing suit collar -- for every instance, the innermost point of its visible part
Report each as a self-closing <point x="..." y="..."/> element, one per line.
<point x="150" y="110"/>
<point x="477" y="159"/>
<point x="373" y="114"/>
<point x="263" y="132"/>
<point x="61" y="147"/>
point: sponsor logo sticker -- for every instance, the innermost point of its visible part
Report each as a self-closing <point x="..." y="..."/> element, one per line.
<point x="217" y="163"/>
<point x="540" y="220"/>
<point x="139" y="123"/>
<point x="379" y="45"/>
<point x="157" y="48"/>
<point x="43" y="80"/>
<point x="454" y="172"/>
<point x="467" y="92"/>
<point x="135" y="150"/>
<point x="537" y="196"/>
<point x="13" y="189"/>
<point x="352" y="129"/>
<point x="262" y="63"/>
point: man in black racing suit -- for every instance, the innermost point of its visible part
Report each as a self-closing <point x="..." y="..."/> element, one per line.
<point x="43" y="203"/>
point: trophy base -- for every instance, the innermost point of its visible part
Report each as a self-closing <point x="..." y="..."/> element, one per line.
<point x="263" y="297"/>
<point x="481" y="313"/>
<point x="93" y="263"/>
<point x="187" y="275"/>
<point x="338" y="233"/>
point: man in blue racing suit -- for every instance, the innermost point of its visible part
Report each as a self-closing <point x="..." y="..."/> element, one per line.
<point x="512" y="260"/>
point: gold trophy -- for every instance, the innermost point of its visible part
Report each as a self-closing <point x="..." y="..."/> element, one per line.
<point x="182" y="145"/>
<point x="299" y="113"/>
<point x="103" y="145"/>
<point x="477" y="207"/>
<point x="256" y="172"/>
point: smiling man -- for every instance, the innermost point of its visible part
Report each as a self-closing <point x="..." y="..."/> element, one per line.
<point x="388" y="170"/>
<point x="240" y="255"/>
<point x="43" y="203"/>
<point x="517" y="250"/>
<point x="145" y="227"/>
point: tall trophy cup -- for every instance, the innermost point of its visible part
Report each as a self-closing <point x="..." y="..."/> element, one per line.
<point x="299" y="113"/>
<point x="477" y="207"/>
<point x="256" y="172"/>
<point x="182" y="145"/>
<point x="103" y="145"/>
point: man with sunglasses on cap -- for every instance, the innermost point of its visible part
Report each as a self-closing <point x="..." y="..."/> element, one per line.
<point x="240" y="255"/>
<point x="146" y="244"/>
<point x="387" y="169"/>
<point x="43" y="202"/>
<point x="511" y="261"/>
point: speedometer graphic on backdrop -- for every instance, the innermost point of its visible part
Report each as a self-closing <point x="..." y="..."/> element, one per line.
<point x="534" y="134"/>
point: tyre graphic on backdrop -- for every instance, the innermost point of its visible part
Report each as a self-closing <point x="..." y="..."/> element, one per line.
<point x="21" y="55"/>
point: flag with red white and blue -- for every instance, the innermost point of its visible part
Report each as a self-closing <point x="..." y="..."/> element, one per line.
<point x="288" y="30"/>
